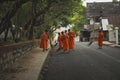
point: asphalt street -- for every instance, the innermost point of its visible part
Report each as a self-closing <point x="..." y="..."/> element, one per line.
<point x="84" y="63"/>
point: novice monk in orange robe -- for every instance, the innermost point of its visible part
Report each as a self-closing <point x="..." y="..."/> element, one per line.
<point x="67" y="39"/>
<point x="44" y="41"/>
<point x="71" y="39"/>
<point x="100" y="39"/>
<point x="65" y="42"/>
<point x="60" y="42"/>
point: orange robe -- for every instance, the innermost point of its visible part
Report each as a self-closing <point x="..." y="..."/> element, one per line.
<point x="44" y="41"/>
<point x="71" y="40"/>
<point x="60" y="41"/>
<point x="100" y="38"/>
<point x="65" y="42"/>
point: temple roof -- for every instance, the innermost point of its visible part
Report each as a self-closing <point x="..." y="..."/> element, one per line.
<point x="103" y="9"/>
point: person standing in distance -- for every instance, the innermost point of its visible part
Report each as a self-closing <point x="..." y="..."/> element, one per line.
<point x="100" y="39"/>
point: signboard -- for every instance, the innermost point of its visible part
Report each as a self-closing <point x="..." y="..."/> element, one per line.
<point x="104" y="24"/>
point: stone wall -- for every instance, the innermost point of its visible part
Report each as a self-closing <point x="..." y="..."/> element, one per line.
<point x="10" y="53"/>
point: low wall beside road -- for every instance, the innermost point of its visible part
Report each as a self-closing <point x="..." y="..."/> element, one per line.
<point x="10" y="53"/>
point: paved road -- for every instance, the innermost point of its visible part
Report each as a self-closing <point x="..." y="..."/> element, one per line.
<point x="85" y="63"/>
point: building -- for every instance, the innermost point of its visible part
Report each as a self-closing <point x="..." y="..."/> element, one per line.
<point x="107" y="14"/>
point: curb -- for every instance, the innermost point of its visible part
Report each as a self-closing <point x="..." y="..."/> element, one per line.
<point x="117" y="46"/>
<point x="112" y="45"/>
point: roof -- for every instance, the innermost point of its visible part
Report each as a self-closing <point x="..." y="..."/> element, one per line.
<point x="103" y="9"/>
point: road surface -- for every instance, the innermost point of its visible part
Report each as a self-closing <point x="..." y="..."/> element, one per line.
<point x="84" y="63"/>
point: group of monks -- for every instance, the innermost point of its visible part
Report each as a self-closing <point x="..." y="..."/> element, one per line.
<point x="66" y="40"/>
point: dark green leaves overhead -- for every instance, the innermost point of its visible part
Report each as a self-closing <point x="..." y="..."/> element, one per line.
<point x="41" y="14"/>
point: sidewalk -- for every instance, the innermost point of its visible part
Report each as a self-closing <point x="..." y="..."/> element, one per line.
<point x="28" y="67"/>
<point x="110" y="44"/>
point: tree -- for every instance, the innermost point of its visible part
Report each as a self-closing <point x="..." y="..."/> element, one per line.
<point x="115" y="0"/>
<point x="34" y="15"/>
<point x="79" y="18"/>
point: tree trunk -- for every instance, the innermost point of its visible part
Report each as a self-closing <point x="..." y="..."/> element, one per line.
<point x="33" y="13"/>
<point x="6" y="34"/>
<point x="9" y="24"/>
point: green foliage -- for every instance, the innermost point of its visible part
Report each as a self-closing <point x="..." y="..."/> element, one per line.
<point x="51" y="14"/>
<point x="78" y="18"/>
<point x="4" y="8"/>
<point x="115" y="0"/>
<point x="23" y="15"/>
